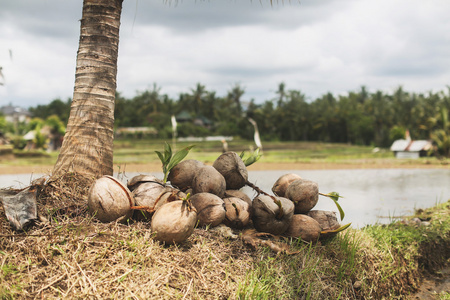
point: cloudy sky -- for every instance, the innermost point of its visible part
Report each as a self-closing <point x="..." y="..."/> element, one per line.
<point x="316" y="46"/>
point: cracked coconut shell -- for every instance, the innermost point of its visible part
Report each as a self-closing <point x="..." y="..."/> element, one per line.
<point x="152" y="195"/>
<point x="109" y="200"/>
<point x="237" y="213"/>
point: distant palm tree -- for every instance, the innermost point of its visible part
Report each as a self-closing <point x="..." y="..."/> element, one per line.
<point x="235" y="95"/>
<point x="441" y="135"/>
<point x="198" y="97"/>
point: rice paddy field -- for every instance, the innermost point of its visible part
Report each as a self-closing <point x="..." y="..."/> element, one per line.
<point x="140" y="156"/>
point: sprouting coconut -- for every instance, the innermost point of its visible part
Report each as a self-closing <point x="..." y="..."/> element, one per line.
<point x="326" y="219"/>
<point x="137" y="180"/>
<point x="272" y="214"/>
<point x="304" y="227"/>
<point x="238" y="213"/>
<point x="174" y="222"/>
<point x="209" y="180"/>
<point x="304" y="193"/>
<point x="280" y="186"/>
<point x="109" y="200"/>
<point x="210" y="209"/>
<point x="183" y="173"/>
<point x="233" y="169"/>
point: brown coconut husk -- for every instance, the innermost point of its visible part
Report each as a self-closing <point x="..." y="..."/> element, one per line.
<point x="272" y="214"/>
<point x="210" y="209"/>
<point x="174" y="222"/>
<point x="304" y="227"/>
<point x="280" y="186"/>
<point x="209" y="180"/>
<point x="109" y="200"/>
<point x="304" y="193"/>
<point x="238" y="194"/>
<point x="150" y="195"/>
<point x="237" y="213"/>
<point x="137" y="180"/>
<point x="233" y="169"/>
<point x="182" y="175"/>
<point x="326" y="219"/>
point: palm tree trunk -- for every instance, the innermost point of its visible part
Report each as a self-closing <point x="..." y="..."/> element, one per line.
<point x="88" y="144"/>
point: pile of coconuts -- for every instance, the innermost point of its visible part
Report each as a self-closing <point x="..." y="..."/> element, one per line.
<point x="196" y="194"/>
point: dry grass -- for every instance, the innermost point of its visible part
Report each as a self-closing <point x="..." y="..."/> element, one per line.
<point x="117" y="261"/>
<point x="69" y="255"/>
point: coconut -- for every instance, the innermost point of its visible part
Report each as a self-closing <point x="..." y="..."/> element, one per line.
<point x="326" y="219"/>
<point x="238" y="194"/>
<point x="151" y="195"/>
<point x="209" y="180"/>
<point x="210" y="209"/>
<point x="280" y="186"/>
<point x="304" y="227"/>
<point x="138" y="179"/>
<point x="238" y="213"/>
<point x="233" y="169"/>
<point x="183" y="173"/>
<point x="109" y="200"/>
<point x="304" y="193"/>
<point x="174" y="222"/>
<point x="268" y="216"/>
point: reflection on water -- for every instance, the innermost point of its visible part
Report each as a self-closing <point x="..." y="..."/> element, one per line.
<point x="370" y="196"/>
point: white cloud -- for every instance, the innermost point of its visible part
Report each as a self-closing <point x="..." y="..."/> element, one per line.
<point x="314" y="46"/>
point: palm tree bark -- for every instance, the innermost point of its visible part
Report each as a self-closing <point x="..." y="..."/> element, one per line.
<point x="88" y="143"/>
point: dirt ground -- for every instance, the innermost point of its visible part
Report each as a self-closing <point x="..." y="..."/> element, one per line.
<point x="434" y="285"/>
<point x="259" y="166"/>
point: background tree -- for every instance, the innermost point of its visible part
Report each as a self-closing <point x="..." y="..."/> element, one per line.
<point x="56" y="107"/>
<point x="235" y="95"/>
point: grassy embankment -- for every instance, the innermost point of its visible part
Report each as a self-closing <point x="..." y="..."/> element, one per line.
<point x="77" y="257"/>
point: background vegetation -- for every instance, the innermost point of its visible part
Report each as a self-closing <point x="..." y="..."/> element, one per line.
<point x="359" y="117"/>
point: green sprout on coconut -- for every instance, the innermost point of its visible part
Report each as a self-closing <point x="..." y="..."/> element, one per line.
<point x="254" y="157"/>
<point x="335" y="197"/>
<point x="169" y="161"/>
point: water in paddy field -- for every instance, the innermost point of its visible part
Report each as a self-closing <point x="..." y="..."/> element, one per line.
<point x="370" y="195"/>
